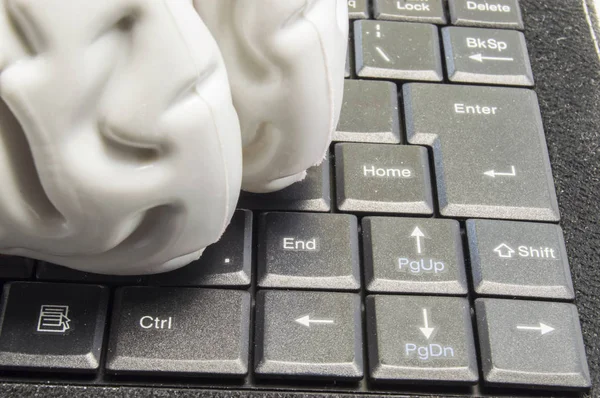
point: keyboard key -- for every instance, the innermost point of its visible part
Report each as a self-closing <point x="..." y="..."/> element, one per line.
<point x="358" y="9"/>
<point x="397" y="50"/>
<point x="427" y="339"/>
<point x="348" y="67"/>
<point x="489" y="148"/>
<point x="487" y="56"/>
<point x="13" y="267"/>
<point x="225" y="263"/>
<point x="413" y="255"/>
<point x="313" y="251"/>
<point x="50" y="326"/>
<point x="383" y="178"/>
<point x="483" y="13"/>
<point x="311" y="194"/>
<point x="179" y="331"/>
<point x="369" y="113"/>
<point x="531" y="343"/>
<point x="519" y="259"/>
<point x="429" y="11"/>
<point x="57" y="273"/>
<point x="308" y="335"/>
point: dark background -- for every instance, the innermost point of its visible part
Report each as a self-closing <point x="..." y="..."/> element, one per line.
<point x="567" y="72"/>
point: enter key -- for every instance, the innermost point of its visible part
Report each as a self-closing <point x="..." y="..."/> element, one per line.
<point x="519" y="259"/>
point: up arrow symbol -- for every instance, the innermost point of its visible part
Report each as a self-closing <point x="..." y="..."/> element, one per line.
<point x="504" y="251"/>
<point x="418" y="234"/>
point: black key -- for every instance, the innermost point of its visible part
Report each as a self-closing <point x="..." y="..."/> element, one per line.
<point x="52" y="326"/>
<point x="486" y="14"/>
<point x="518" y="259"/>
<point x="57" y="273"/>
<point x="369" y="113"/>
<point x="431" y="11"/>
<point x="313" y="251"/>
<point x="531" y="343"/>
<point x="413" y="255"/>
<point x="311" y="194"/>
<point x="397" y="50"/>
<point x="427" y="339"/>
<point x="383" y="179"/>
<point x="179" y="331"/>
<point x="358" y="9"/>
<point x="489" y="150"/>
<point x="13" y="267"/>
<point x="225" y="263"/>
<point x="308" y="335"/>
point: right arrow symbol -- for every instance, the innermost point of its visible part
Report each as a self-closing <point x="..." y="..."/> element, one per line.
<point x="542" y="328"/>
<point x="426" y="330"/>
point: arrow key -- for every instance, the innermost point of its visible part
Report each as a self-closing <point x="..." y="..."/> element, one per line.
<point x="308" y="335"/>
<point x="487" y="56"/>
<point x="418" y="338"/>
<point x="531" y="343"/>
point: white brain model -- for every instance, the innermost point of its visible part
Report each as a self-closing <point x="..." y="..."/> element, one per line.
<point x="120" y="147"/>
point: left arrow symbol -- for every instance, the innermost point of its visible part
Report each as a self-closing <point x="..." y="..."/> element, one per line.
<point x="306" y="321"/>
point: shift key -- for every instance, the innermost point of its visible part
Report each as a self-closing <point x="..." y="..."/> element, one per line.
<point x="489" y="149"/>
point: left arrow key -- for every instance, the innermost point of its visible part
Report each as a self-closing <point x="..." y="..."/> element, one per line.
<point x="308" y="335"/>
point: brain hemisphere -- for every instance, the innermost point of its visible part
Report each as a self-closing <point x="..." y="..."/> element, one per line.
<point x="285" y="61"/>
<point x="114" y="130"/>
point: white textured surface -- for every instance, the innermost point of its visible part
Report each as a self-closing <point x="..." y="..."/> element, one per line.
<point x="286" y="62"/>
<point x="120" y="148"/>
<point x="129" y="156"/>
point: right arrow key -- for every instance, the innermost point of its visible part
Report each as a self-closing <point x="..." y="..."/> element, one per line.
<point x="531" y="343"/>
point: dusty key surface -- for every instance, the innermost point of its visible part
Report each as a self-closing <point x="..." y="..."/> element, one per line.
<point x="489" y="150"/>
<point x="429" y="11"/>
<point x="483" y="13"/>
<point x="53" y="326"/>
<point x="518" y="259"/>
<point x="531" y="343"/>
<point x="397" y="50"/>
<point x="383" y="178"/>
<point x="311" y="251"/>
<point x="413" y="255"/>
<point x="420" y="338"/>
<point x="369" y="113"/>
<point x="308" y="335"/>
<point x="179" y="331"/>
<point x="489" y="56"/>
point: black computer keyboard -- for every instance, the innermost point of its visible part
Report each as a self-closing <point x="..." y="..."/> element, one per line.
<point x="423" y="256"/>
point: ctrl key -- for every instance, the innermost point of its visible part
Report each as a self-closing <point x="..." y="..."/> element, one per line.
<point x="184" y="331"/>
<point x="52" y="326"/>
<point x="531" y="343"/>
